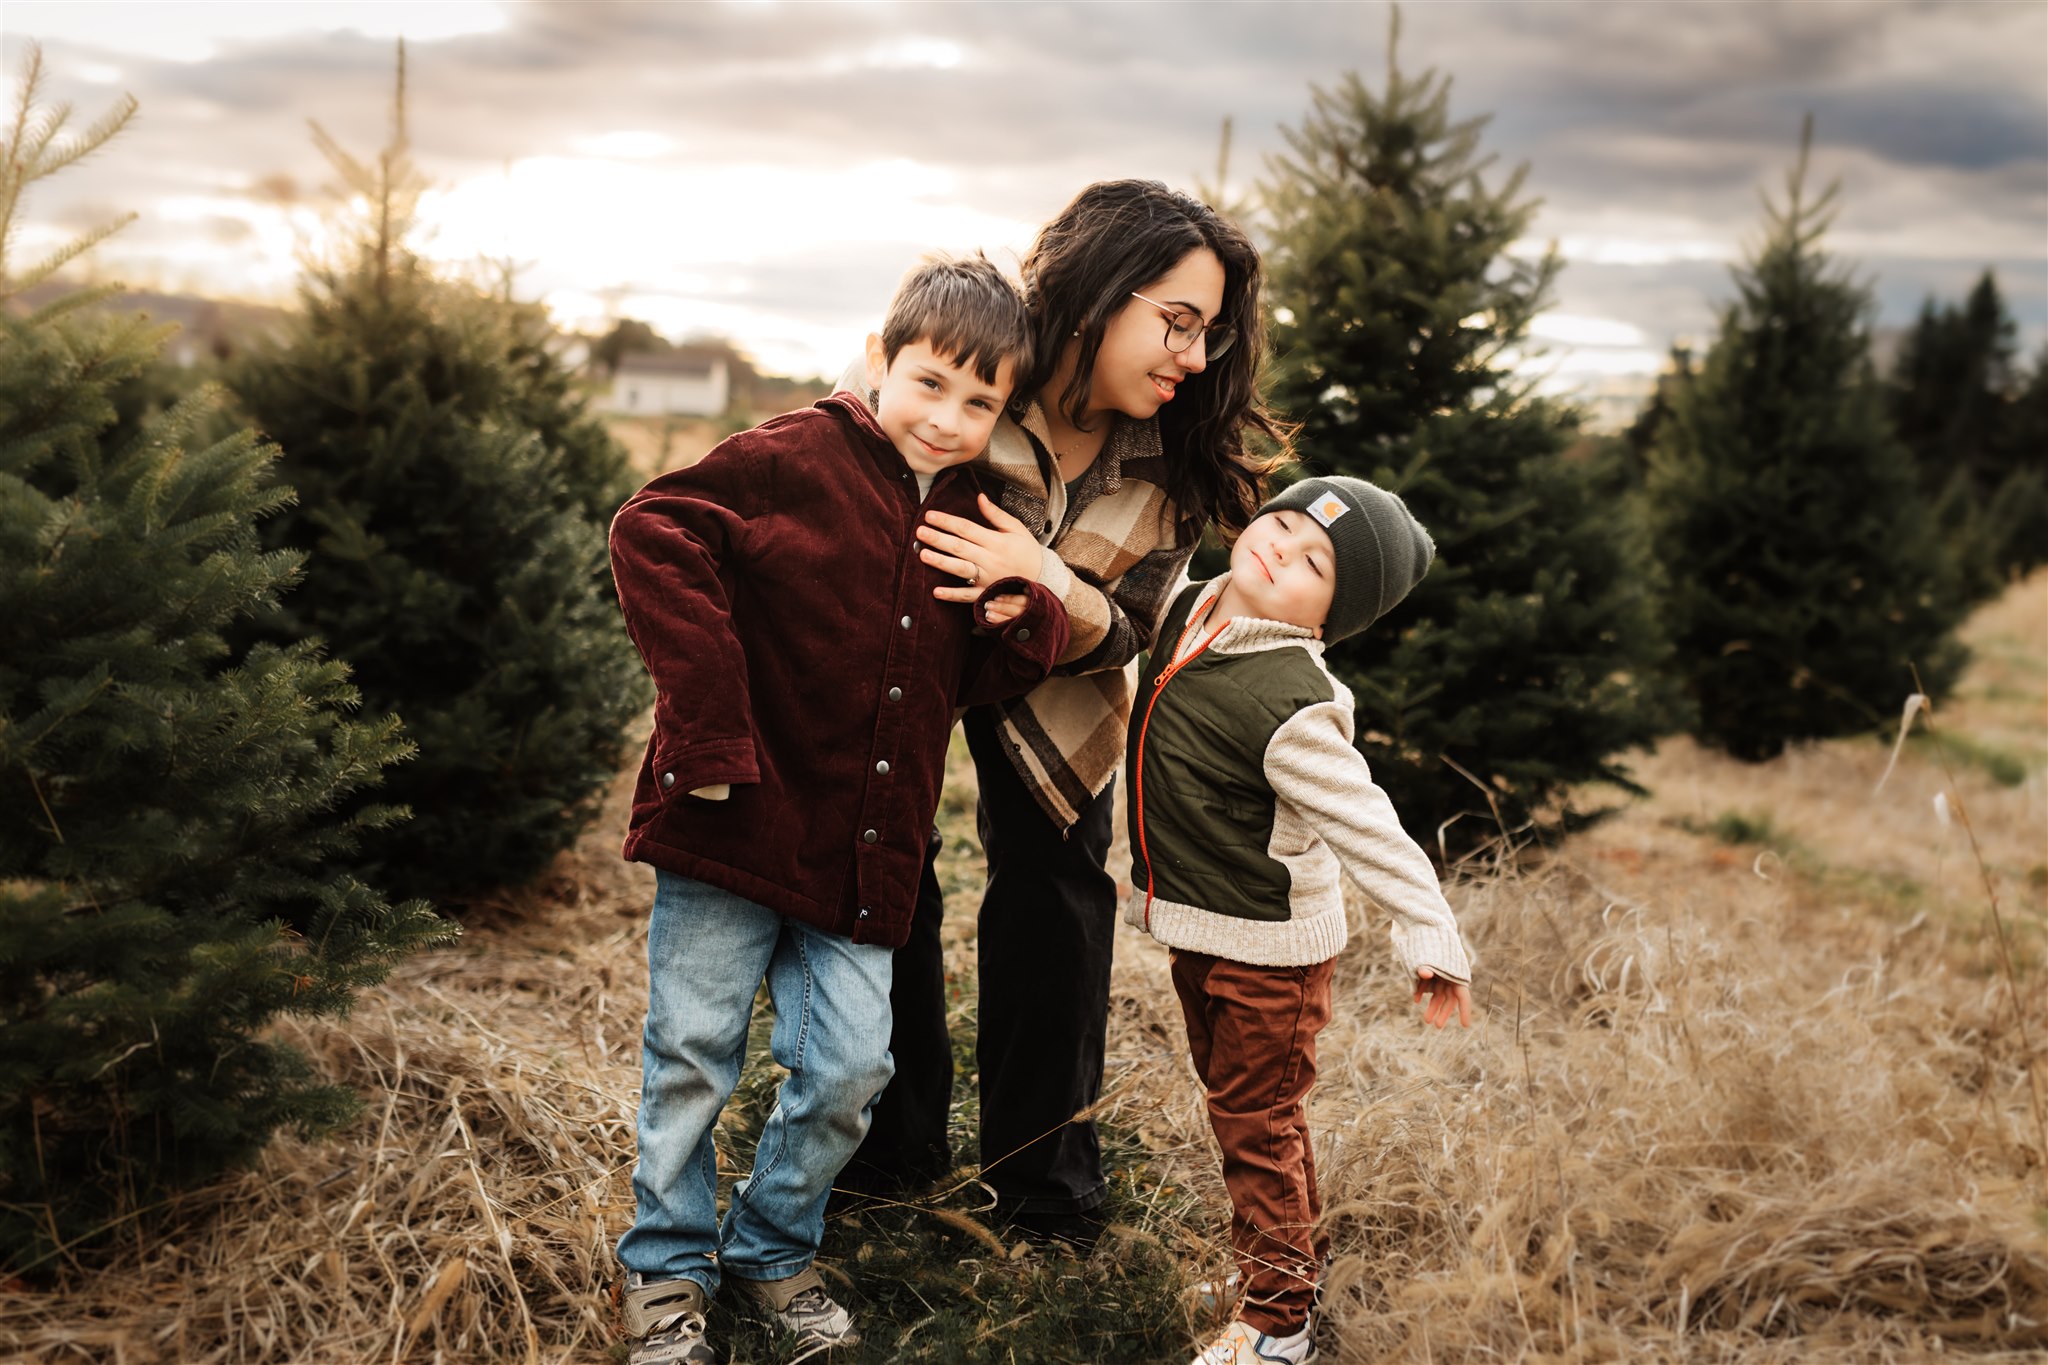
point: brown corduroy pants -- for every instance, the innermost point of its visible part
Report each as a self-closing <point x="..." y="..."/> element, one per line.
<point x="1253" y="1034"/>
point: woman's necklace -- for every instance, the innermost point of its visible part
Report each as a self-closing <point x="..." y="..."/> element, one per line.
<point x="1080" y="450"/>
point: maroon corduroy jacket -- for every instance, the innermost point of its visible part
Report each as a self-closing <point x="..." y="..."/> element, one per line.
<point x="775" y="591"/>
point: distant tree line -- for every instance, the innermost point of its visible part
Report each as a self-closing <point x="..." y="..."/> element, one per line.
<point x="1976" y="423"/>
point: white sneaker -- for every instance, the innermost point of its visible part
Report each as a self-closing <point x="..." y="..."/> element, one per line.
<point x="665" y="1318"/>
<point x="1242" y="1345"/>
<point x="799" y="1304"/>
<point x="1213" y="1296"/>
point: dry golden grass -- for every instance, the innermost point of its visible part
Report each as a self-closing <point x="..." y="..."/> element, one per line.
<point x="655" y="445"/>
<point x="1669" y="1137"/>
<point x="1761" y="1102"/>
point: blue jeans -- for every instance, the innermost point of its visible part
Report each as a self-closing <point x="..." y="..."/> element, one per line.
<point x="707" y="951"/>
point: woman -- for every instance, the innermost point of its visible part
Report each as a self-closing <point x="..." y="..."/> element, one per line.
<point x="1128" y="440"/>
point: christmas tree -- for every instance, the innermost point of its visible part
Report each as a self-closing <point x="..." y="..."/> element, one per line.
<point x="1807" y="581"/>
<point x="2020" y="502"/>
<point x="1957" y="402"/>
<point x="1526" y="661"/>
<point x="170" y="853"/>
<point x="454" y="494"/>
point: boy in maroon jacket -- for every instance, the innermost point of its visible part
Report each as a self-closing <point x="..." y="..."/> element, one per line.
<point x="806" y="680"/>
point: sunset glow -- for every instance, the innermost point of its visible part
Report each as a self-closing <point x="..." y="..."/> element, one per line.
<point x="672" y="239"/>
<point x="767" y="171"/>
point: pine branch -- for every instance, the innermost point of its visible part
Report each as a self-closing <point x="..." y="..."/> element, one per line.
<point x="13" y="162"/>
<point x="356" y="177"/>
<point x="390" y="186"/>
<point x="64" y="255"/>
<point x="26" y="157"/>
<point x="90" y="141"/>
<point x="71" y="303"/>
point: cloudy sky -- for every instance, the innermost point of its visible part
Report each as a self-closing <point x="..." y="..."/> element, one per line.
<point x="766" y="170"/>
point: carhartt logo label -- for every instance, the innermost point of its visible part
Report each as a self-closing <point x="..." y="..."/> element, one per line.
<point x="1328" y="508"/>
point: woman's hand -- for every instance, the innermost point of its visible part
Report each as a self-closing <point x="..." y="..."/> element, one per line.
<point x="1447" y="999"/>
<point x="1004" y="548"/>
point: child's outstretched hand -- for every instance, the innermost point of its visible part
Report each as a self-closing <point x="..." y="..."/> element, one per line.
<point x="1445" y="999"/>
<point x="1004" y="608"/>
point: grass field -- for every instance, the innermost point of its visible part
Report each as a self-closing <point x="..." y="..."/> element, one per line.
<point x="1754" y="1080"/>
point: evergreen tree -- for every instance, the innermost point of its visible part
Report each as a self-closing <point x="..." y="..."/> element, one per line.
<point x="533" y="391"/>
<point x="1806" y="574"/>
<point x="169" y="843"/>
<point x="455" y="496"/>
<point x="1618" y="461"/>
<point x="2018" y="506"/>
<point x="1392" y="287"/>
<point x="1526" y="660"/>
<point x="1642" y="433"/>
<point x="1952" y="383"/>
<point x="1955" y="398"/>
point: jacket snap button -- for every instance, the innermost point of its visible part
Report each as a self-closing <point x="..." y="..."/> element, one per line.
<point x="905" y="623"/>
<point x="1023" y="633"/>
<point x="883" y="767"/>
<point x="668" y="780"/>
<point x="868" y="836"/>
<point x="895" y="694"/>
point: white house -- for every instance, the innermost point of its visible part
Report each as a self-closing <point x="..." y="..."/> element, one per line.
<point x="692" y="381"/>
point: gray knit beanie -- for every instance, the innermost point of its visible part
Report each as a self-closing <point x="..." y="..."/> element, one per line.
<point x="1382" y="551"/>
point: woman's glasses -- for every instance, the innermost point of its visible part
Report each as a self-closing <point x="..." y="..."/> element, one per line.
<point x="1183" y="329"/>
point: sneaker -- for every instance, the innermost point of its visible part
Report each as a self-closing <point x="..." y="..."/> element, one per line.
<point x="1213" y="1298"/>
<point x="666" y="1320"/>
<point x="1242" y="1345"/>
<point x="800" y="1305"/>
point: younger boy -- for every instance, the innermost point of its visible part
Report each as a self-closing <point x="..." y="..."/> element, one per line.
<point x="1246" y="799"/>
<point x="806" y="679"/>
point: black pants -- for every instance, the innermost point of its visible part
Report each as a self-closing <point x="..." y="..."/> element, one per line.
<point x="1048" y="920"/>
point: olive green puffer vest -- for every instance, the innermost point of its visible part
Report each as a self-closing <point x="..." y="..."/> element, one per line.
<point x="1201" y="811"/>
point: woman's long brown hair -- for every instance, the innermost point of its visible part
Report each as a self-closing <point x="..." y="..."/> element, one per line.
<point x="1117" y="236"/>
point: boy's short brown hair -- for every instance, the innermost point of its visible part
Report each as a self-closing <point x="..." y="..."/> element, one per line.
<point x="966" y="310"/>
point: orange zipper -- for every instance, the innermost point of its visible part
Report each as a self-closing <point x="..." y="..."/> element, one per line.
<point x="1138" y="778"/>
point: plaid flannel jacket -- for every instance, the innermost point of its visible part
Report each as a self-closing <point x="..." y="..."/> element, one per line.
<point x="1111" y="560"/>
